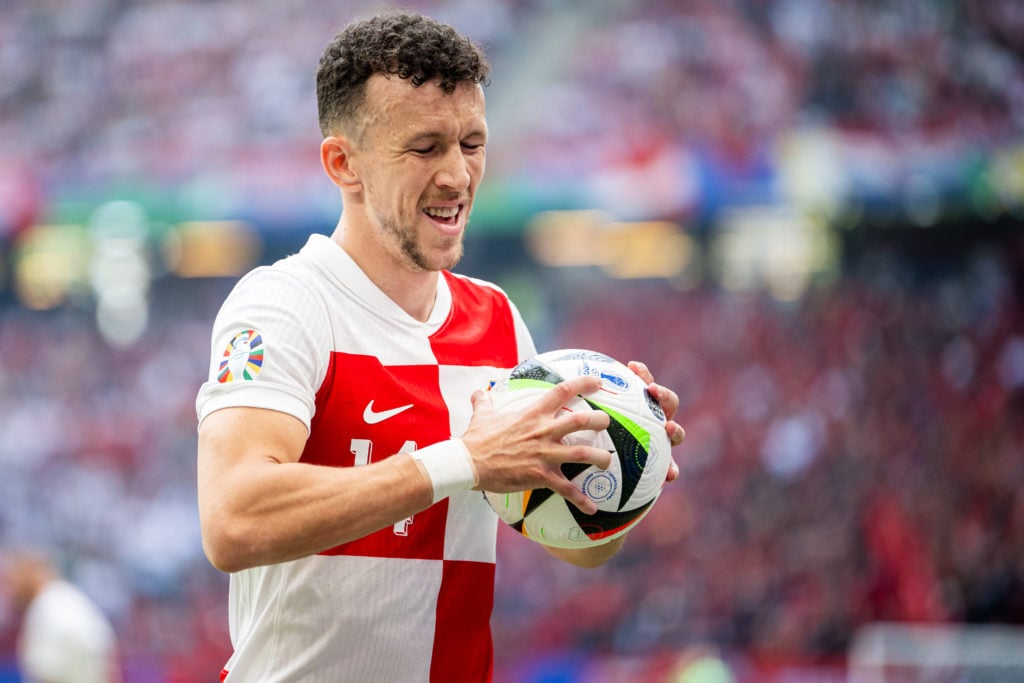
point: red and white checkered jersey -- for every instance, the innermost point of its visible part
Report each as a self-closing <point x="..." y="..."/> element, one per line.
<point x="312" y="336"/>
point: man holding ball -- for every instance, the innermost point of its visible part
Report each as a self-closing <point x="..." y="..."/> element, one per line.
<point x="344" y="436"/>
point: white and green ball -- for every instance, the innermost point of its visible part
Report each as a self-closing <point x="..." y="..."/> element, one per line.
<point x="636" y="438"/>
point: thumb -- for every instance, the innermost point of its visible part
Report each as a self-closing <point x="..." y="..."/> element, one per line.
<point x="481" y="400"/>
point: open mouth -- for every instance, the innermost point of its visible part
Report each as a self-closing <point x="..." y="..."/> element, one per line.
<point x="444" y="215"/>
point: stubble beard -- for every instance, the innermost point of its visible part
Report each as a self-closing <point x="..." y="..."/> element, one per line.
<point x="411" y="250"/>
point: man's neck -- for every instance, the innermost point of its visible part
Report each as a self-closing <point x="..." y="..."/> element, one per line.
<point x="413" y="291"/>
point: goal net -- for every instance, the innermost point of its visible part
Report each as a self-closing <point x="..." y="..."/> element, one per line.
<point x="936" y="653"/>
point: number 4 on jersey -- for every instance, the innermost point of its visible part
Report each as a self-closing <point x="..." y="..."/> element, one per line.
<point x="362" y="449"/>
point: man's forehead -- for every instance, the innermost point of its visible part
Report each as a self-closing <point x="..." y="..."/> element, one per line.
<point x="391" y="98"/>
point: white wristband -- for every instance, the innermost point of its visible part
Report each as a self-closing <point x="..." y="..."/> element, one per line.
<point x="449" y="467"/>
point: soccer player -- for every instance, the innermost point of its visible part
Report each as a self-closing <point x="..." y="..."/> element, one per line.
<point x="344" y="435"/>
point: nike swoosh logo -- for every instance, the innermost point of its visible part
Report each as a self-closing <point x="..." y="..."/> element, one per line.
<point x="372" y="418"/>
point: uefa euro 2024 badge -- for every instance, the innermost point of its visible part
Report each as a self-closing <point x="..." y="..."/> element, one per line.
<point x="243" y="358"/>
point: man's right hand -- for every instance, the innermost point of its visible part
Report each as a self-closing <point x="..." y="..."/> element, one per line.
<point x="520" y="450"/>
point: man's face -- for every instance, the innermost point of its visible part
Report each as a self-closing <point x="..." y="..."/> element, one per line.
<point x="421" y="158"/>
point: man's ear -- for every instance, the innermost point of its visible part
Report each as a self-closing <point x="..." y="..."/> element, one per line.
<point x="336" y="157"/>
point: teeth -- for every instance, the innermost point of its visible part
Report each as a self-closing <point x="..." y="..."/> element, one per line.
<point x="442" y="212"/>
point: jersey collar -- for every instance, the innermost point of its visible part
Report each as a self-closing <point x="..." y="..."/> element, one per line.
<point x="347" y="273"/>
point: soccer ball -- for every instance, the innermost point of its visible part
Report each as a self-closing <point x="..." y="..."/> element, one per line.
<point x="636" y="437"/>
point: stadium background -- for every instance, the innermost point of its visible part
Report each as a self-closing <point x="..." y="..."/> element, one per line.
<point x="804" y="215"/>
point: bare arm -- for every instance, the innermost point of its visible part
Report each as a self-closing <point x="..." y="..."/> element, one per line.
<point x="259" y="505"/>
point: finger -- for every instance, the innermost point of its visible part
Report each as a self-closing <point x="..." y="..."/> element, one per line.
<point x="641" y="370"/>
<point x="591" y="455"/>
<point x="481" y="400"/>
<point x="666" y="398"/>
<point x="563" y="392"/>
<point x="566" y="489"/>
<point x="579" y="420"/>
<point x="675" y="432"/>
<point x="673" y="471"/>
<point x="580" y="386"/>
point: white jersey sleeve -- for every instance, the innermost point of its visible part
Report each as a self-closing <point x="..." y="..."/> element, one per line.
<point x="524" y="341"/>
<point x="270" y="347"/>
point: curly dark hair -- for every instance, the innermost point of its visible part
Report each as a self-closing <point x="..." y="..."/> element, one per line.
<point x="408" y="45"/>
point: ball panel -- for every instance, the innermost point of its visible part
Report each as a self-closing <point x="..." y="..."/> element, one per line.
<point x="632" y="457"/>
<point x="571" y="470"/>
<point x="604" y="525"/>
<point x="520" y="383"/>
<point x="641" y="438"/>
<point x="508" y="399"/>
<point x="508" y="506"/>
<point x="533" y="499"/>
<point x="534" y="369"/>
<point x="551" y="523"/>
<point x="561" y="525"/>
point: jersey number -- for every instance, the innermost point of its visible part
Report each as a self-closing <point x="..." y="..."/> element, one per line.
<point x="362" y="449"/>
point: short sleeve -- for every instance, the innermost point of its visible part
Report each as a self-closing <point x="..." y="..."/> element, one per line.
<point x="270" y="347"/>
<point x="524" y="340"/>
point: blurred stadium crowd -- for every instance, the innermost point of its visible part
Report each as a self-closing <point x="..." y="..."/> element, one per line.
<point x="694" y="103"/>
<point x="854" y="455"/>
<point x="98" y="449"/>
<point x="858" y="457"/>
